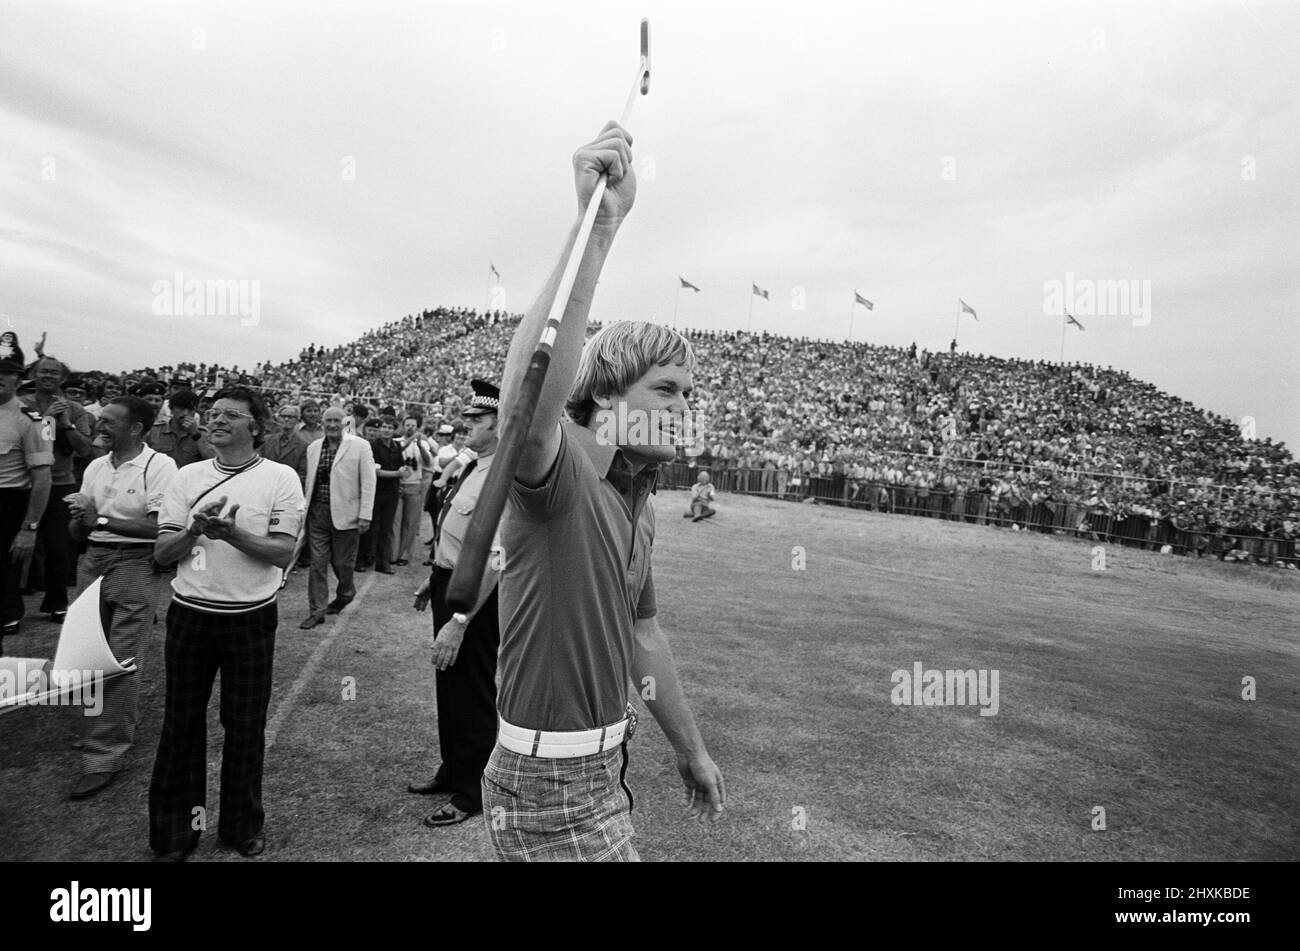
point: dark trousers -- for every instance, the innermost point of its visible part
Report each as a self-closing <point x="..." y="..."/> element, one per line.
<point x="381" y="529"/>
<point x="241" y="647"/>
<point x="467" y="699"/>
<point x="60" y="550"/>
<point x="329" y="546"/>
<point x="13" y="509"/>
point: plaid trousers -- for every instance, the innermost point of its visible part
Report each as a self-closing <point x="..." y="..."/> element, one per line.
<point x="199" y="644"/>
<point x="558" y="810"/>
<point x="127" y="599"/>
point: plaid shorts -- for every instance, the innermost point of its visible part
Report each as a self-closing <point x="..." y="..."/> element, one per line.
<point x="558" y="810"/>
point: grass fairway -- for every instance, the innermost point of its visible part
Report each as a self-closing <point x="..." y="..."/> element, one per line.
<point x="1119" y="688"/>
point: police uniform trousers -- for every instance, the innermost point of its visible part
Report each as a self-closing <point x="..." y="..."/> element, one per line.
<point x="127" y="600"/>
<point x="241" y="647"/>
<point x="13" y="508"/>
<point x="467" y="698"/>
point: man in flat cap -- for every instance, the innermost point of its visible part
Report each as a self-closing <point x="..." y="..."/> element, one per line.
<point x="465" y="650"/>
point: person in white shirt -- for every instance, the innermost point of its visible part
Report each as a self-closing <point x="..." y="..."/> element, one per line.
<point x="116" y="514"/>
<point x="223" y="617"/>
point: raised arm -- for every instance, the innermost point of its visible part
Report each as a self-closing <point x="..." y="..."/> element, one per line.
<point x="610" y="152"/>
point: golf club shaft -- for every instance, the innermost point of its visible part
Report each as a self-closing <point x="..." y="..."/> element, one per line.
<point x="463" y="589"/>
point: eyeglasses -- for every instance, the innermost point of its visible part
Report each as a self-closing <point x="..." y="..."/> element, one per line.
<point x="229" y="415"/>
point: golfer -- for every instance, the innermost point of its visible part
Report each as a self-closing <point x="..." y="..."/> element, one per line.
<point x="577" y="595"/>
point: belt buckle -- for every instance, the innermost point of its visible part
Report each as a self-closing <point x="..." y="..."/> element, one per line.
<point x="631" y="722"/>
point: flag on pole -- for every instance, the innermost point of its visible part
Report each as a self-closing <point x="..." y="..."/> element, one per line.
<point x="493" y="268"/>
<point x="759" y="292"/>
<point x="859" y="299"/>
<point x="967" y="308"/>
<point x="686" y="283"/>
<point x="1071" y="320"/>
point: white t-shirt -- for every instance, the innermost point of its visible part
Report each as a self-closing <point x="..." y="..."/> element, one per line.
<point x="215" y="576"/>
<point x="132" y="490"/>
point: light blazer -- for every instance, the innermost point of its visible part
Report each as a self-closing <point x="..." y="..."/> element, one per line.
<point x="352" y="480"/>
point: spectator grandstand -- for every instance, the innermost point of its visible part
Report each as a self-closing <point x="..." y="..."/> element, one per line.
<point x="1073" y="448"/>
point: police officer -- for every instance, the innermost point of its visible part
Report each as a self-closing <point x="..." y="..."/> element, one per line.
<point x="465" y="650"/>
<point x="26" y="455"/>
<point x="69" y="426"/>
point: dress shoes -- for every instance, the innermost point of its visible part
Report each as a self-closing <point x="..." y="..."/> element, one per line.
<point x="179" y="855"/>
<point x="335" y="606"/>
<point x="310" y="621"/>
<point x="253" y="845"/>
<point x="90" y="784"/>
<point x="431" y="788"/>
<point x="386" y="571"/>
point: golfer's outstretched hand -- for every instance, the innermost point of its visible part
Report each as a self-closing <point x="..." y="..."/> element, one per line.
<point x="611" y="152"/>
<point x="706" y="792"/>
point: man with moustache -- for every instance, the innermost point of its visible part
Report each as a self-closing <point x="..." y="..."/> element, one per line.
<point x="116" y="514"/>
<point x="465" y="649"/>
<point x="340" y="499"/>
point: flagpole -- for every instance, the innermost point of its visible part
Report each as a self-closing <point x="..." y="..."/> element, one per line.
<point x="957" y="329"/>
<point x="749" y="321"/>
<point x="853" y="310"/>
<point x="677" y="302"/>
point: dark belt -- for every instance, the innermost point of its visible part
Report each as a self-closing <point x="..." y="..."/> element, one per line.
<point x="138" y="545"/>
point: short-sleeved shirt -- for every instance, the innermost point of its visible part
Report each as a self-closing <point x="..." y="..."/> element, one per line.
<point x="455" y="523"/>
<point x="26" y="442"/>
<point x="61" y="470"/>
<point x="183" y="449"/>
<point x="577" y="576"/>
<point x="215" y="576"/>
<point x="132" y="490"/>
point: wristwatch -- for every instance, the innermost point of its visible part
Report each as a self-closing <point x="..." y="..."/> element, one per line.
<point x="31" y="526"/>
<point x="460" y="618"/>
<point x="102" y="522"/>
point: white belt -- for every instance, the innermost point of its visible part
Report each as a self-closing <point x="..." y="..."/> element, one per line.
<point x="560" y="745"/>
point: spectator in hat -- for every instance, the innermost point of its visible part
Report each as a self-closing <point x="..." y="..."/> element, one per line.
<point x="465" y="647"/>
<point x="182" y="437"/>
<point x="152" y="393"/>
<point x="10" y="351"/>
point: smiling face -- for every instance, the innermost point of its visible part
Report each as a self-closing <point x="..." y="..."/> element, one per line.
<point x="116" y="429"/>
<point x="48" y="375"/>
<point x="333" y="423"/>
<point x="231" y="427"/>
<point x="653" y="409"/>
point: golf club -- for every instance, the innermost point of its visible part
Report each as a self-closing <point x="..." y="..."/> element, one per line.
<point x="462" y="590"/>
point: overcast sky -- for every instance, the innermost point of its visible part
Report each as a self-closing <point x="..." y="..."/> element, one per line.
<point x="362" y="161"/>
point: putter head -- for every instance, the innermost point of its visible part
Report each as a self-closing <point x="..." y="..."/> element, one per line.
<point x="645" y="57"/>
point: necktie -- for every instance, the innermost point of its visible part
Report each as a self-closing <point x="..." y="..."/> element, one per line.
<point x="446" y="505"/>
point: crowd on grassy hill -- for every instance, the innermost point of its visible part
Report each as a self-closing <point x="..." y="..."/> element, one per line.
<point x="859" y="424"/>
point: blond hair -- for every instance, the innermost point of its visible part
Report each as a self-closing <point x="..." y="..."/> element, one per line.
<point x="619" y="355"/>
